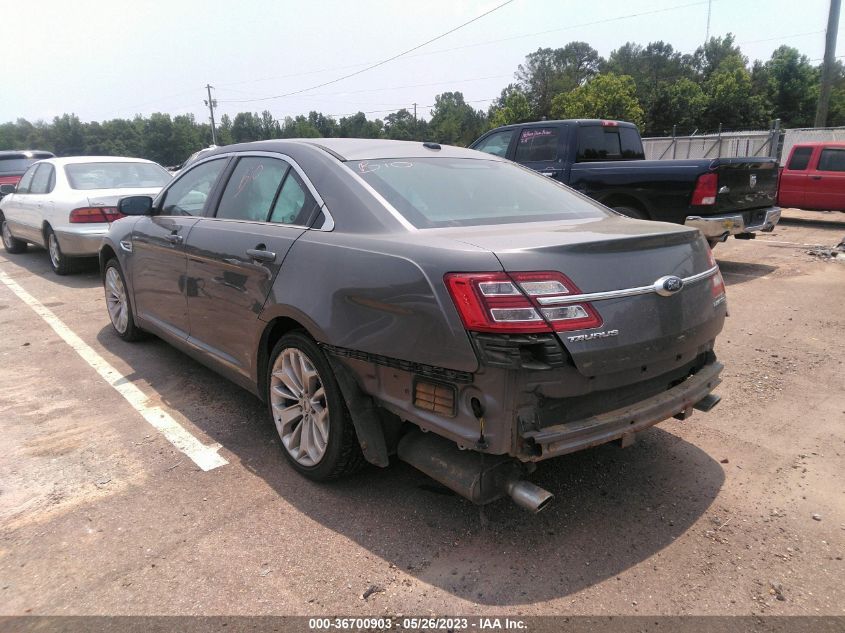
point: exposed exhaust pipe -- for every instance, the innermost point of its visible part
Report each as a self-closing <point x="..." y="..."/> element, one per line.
<point x="528" y="496"/>
<point x="478" y="477"/>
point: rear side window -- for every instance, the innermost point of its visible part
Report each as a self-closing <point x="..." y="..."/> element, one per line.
<point x="537" y="144"/>
<point x="16" y="165"/>
<point x="800" y="158"/>
<point x="295" y="204"/>
<point x="832" y="160"/>
<point x="606" y="142"/>
<point x="496" y="144"/>
<point x="252" y="189"/>
<point x="41" y="182"/>
<point x="26" y="180"/>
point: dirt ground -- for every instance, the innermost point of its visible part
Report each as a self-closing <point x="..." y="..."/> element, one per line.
<point x="739" y="511"/>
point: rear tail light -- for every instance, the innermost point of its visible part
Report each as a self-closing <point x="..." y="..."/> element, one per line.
<point x="507" y="302"/>
<point x="717" y="284"/>
<point x="705" y="190"/>
<point x="86" y="215"/>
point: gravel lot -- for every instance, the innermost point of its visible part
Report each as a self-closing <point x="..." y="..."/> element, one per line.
<point x="738" y="511"/>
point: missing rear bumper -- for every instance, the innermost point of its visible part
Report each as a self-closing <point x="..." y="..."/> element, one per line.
<point x="561" y="439"/>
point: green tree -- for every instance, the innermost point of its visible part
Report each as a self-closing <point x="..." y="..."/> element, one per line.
<point x="246" y="128"/>
<point x="358" y="126"/>
<point x="547" y="72"/>
<point x="454" y="121"/>
<point x="730" y="98"/>
<point x="682" y="103"/>
<point x="608" y="96"/>
<point x="400" y="125"/>
<point x="511" y="107"/>
<point x="224" y="131"/>
<point x="325" y="125"/>
<point x="298" y="127"/>
<point x="791" y="86"/>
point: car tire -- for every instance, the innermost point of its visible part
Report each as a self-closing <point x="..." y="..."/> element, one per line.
<point x="631" y="212"/>
<point x="59" y="262"/>
<point x="118" y="304"/>
<point x="13" y="245"/>
<point x="308" y="411"/>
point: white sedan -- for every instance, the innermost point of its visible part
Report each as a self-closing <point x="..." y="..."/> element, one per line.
<point x="67" y="204"/>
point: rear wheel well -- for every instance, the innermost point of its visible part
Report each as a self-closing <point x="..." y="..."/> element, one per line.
<point x="275" y="330"/>
<point x="45" y="227"/>
<point x="617" y="201"/>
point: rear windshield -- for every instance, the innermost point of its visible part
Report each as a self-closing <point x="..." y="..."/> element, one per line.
<point x="440" y="192"/>
<point x="16" y="165"/>
<point x="609" y="142"/>
<point x="116" y="175"/>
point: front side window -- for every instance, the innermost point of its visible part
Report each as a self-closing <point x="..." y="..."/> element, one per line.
<point x="252" y="188"/>
<point x="496" y="144"/>
<point x="122" y="175"/>
<point x="800" y="158"/>
<point x="441" y="192"/>
<point x="189" y="193"/>
<point x="537" y="144"/>
<point x="295" y="203"/>
<point x="832" y="160"/>
<point x="41" y="180"/>
<point x="26" y="180"/>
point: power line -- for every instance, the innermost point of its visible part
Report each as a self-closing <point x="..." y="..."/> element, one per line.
<point x="380" y="63"/>
<point x="352" y="92"/>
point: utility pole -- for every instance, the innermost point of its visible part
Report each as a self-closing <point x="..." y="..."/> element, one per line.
<point x="707" y="32"/>
<point x="211" y="103"/>
<point x="827" y="67"/>
<point x="415" y="120"/>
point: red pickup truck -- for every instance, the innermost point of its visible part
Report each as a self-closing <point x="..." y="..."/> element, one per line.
<point x="814" y="177"/>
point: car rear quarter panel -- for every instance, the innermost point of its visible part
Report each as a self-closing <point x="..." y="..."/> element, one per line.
<point x="379" y="294"/>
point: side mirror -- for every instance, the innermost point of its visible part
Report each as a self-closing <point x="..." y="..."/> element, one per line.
<point x="136" y="205"/>
<point x="7" y="189"/>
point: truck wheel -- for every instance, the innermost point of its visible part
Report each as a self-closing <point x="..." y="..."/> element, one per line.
<point x="59" y="262"/>
<point x="12" y="244"/>
<point x="309" y="411"/>
<point x="631" y="212"/>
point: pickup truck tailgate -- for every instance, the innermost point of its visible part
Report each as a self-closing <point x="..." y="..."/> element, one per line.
<point x="745" y="184"/>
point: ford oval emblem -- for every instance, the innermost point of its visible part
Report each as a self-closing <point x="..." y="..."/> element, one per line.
<point x="668" y="285"/>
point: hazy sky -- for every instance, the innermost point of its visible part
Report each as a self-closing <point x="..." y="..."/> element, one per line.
<point x="116" y="58"/>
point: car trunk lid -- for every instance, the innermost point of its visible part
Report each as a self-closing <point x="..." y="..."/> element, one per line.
<point x="619" y="254"/>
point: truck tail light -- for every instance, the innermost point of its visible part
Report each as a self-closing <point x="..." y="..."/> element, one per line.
<point x="87" y="215"/>
<point x="705" y="190"/>
<point x="507" y="302"/>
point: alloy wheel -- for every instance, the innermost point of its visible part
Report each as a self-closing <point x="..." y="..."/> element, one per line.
<point x="300" y="410"/>
<point x="53" y="247"/>
<point x="7" y="236"/>
<point x="116" y="301"/>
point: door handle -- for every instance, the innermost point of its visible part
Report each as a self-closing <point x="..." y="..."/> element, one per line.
<point x="261" y="255"/>
<point x="816" y="177"/>
<point x="174" y="238"/>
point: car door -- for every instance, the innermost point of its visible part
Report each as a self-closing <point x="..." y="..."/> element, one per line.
<point x="540" y="148"/>
<point x="39" y="201"/>
<point x="234" y="256"/>
<point x="158" y="263"/>
<point x="19" y="209"/>
<point x="792" y="188"/>
<point x="826" y="185"/>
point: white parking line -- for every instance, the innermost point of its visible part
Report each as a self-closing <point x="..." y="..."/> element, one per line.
<point x="205" y="457"/>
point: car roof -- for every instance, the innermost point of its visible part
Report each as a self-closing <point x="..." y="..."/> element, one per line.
<point x="74" y="160"/>
<point x="611" y="122"/>
<point x="361" y="148"/>
<point x="25" y="153"/>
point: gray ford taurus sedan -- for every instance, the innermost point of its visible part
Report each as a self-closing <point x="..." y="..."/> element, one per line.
<point x="397" y="298"/>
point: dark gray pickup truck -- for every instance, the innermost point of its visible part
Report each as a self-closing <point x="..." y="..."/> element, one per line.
<point x="605" y="160"/>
